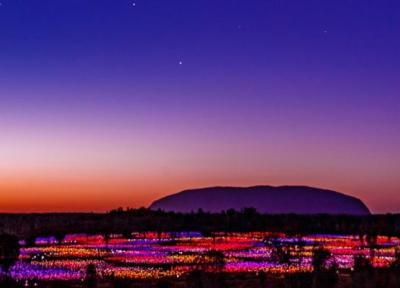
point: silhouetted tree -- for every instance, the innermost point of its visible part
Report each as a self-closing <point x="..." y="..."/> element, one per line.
<point x="91" y="276"/>
<point x="216" y="261"/>
<point x="372" y="240"/>
<point x="59" y="235"/>
<point x="320" y="258"/>
<point x="281" y="252"/>
<point x="30" y="241"/>
<point x="9" y="251"/>
<point x="323" y="275"/>
<point x="106" y="238"/>
<point x="394" y="271"/>
<point x="396" y="261"/>
<point x="362" y="276"/>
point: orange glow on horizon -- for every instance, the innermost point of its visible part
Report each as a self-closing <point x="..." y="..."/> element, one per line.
<point x="99" y="194"/>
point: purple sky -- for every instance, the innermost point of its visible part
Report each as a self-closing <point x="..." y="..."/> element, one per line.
<point x="114" y="104"/>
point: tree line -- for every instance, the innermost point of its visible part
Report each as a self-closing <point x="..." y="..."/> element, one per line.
<point x="126" y="221"/>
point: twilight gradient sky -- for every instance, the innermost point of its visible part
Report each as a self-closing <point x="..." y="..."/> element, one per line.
<point x="113" y="103"/>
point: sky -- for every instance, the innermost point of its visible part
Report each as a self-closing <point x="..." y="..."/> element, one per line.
<point x="113" y="103"/>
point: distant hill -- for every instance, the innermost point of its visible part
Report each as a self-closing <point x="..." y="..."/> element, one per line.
<point x="266" y="199"/>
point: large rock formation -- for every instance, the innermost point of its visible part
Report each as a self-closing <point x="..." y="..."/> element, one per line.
<point x="266" y="199"/>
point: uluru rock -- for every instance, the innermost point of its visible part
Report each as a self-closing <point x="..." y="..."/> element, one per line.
<point x="266" y="199"/>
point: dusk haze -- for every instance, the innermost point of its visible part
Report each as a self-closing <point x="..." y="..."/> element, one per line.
<point x="118" y="103"/>
<point x="199" y="144"/>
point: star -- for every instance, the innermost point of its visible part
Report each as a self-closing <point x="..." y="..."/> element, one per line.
<point x="134" y="4"/>
<point x="180" y="62"/>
